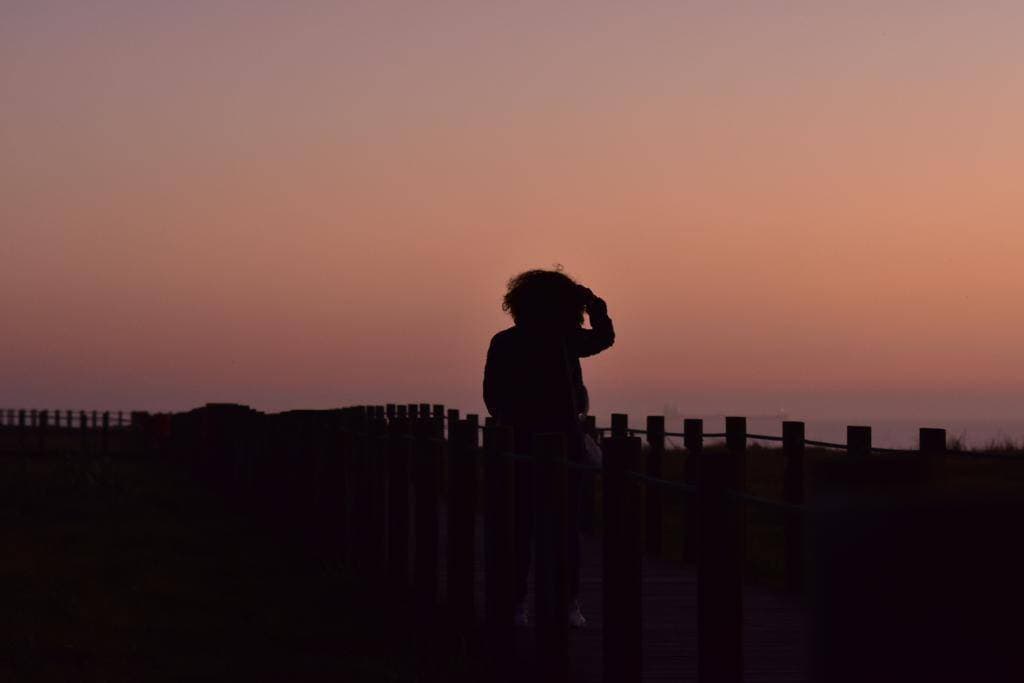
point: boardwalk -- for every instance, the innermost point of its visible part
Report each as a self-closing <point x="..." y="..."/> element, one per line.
<point x="774" y="633"/>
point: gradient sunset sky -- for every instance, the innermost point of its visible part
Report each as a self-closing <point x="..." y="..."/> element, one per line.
<point x="808" y="206"/>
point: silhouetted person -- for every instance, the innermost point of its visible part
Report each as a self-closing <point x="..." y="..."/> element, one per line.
<point x="533" y="383"/>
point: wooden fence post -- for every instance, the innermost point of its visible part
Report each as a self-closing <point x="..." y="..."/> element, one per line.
<point x="932" y="446"/>
<point x="427" y="453"/>
<point x="435" y="417"/>
<point x="258" y="469"/>
<point x="400" y="453"/>
<point x="362" y="504"/>
<point x="551" y="543"/>
<point x="377" y="453"/>
<point x="462" y="524"/>
<point x="348" y="481"/>
<point x="474" y="420"/>
<point x="402" y="411"/>
<point x="623" y="560"/>
<point x="243" y="441"/>
<point x="22" y="436"/>
<point x="473" y="438"/>
<point x="736" y="444"/>
<point x="44" y="418"/>
<point x="719" y="566"/>
<point x="620" y="424"/>
<point x="83" y="428"/>
<point x="693" y="441"/>
<point x="933" y="443"/>
<point x="451" y="421"/>
<point x="793" y="493"/>
<point x="348" y="473"/>
<point x="499" y="555"/>
<point x="858" y="441"/>
<point x="655" y="454"/>
<point x="105" y="438"/>
<point x="437" y="431"/>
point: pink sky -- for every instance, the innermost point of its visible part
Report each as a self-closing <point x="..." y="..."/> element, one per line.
<point x="803" y="205"/>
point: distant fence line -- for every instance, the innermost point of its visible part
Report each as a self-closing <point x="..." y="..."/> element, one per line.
<point x="87" y="432"/>
<point x="91" y="419"/>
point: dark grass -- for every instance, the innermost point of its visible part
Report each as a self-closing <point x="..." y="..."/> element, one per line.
<point x="125" y="571"/>
<point x="765" y="538"/>
<point x="995" y="470"/>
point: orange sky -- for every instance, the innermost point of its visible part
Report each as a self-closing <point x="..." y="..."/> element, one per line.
<point x="786" y="205"/>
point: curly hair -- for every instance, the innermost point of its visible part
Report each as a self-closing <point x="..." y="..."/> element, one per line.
<point x="545" y="297"/>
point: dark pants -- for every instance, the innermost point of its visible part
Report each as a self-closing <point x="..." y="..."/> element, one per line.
<point x="524" y="528"/>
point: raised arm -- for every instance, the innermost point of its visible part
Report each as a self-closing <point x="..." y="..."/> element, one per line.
<point x="600" y="336"/>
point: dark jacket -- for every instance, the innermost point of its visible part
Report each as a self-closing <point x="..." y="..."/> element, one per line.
<point x="533" y="380"/>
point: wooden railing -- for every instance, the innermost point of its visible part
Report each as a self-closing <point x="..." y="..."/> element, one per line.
<point x="66" y="419"/>
<point x="47" y="431"/>
<point x="371" y="486"/>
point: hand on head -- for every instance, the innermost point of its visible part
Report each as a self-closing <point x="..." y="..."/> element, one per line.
<point x="591" y="302"/>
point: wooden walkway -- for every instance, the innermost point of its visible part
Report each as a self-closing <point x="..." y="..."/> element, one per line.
<point x="774" y="629"/>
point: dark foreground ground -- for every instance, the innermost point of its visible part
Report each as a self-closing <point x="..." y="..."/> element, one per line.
<point x="124" y="572"/>
<point x="124" y="569"/>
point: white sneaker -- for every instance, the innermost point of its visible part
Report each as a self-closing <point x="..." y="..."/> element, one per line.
<point x="522" y="617"/>
<point x="576" y="618"/>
